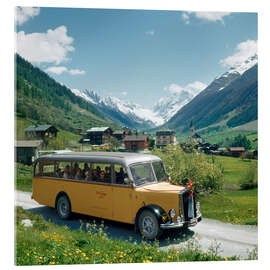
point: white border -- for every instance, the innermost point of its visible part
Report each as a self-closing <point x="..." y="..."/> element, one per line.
<point x="7" y="114"/>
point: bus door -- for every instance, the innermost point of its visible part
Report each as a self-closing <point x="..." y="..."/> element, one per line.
<point x="122" y="196"/>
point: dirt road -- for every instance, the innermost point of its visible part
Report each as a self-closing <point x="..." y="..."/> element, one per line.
<point x="231" y="239"/>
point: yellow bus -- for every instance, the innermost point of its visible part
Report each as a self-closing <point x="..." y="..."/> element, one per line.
<point x="126" y="187"/>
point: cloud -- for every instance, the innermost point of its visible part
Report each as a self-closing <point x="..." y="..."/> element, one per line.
<point x="174" y="88"/>
<point x="124" y="93"/>
<point x="208" y="16"/>
<point x="185" y="17"/>
<point x="23" y="14"/>
<point x="243" y="50"/>
<point x="76" y="72"/>
<point x="212" y="16"/>
<point x="58" y="70"/>
<point x="150" y="32"/>
<point x="49" y="47"/>
<point x="193" y="88"/>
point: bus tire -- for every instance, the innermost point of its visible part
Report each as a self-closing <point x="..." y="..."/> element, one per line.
<point x="148" y="225"/>
<point x="63" y="207"/>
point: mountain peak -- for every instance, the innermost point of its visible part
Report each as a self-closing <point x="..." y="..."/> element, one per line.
<point x="244" y="66"/>
<point x="132" y="113"/>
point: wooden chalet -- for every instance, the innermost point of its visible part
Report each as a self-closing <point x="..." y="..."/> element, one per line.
<point x="27" y="151"/>
<point x="236" y="151"/>
<point x="136" y="143"/>
<point x="118" y="134"/>
<point x="99" y="135"/>
<point x="41" y="132"/>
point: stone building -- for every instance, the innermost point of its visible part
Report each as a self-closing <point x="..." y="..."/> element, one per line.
<point x="165" y="137"/>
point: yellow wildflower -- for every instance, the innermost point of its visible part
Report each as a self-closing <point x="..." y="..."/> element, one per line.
<point x="97" y="253"/>
<point x="52" y="262"/>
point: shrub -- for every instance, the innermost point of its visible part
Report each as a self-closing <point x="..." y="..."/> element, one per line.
<point x="249" y="178"/>
<point x="206" y="176"/>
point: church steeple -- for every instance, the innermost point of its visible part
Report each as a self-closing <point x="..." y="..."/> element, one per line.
<point x="191" y="128"/>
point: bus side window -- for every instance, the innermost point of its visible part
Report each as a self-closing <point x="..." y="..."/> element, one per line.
<point x="120" y="174"/>
<point x="101" y="172"/>
<point x="45" y="168"/>
<point x="63" y="170"/>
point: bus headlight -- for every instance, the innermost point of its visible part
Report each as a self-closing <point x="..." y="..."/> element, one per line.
<point x="172" y="213"/>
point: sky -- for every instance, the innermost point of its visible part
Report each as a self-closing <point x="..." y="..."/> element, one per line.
<point x="135" y="55"/>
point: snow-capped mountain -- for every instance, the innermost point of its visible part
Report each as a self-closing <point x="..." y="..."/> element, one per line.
<point x="168" y="106"/>
<point x="123" y="112"/>
<point x="234" y="72"/>
<point x="231" y="99"/>
<point x="136" y="116"/>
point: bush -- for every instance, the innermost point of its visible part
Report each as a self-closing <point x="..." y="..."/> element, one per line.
<point x="206" y="176"/>
<point x="249" y="179"/>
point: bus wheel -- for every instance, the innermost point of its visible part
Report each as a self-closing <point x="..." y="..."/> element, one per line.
<point x="63" y="207"/>
<point x="148" y="225"/>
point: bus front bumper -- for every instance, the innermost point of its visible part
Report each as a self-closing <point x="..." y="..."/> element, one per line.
<point x="179" y="224"/>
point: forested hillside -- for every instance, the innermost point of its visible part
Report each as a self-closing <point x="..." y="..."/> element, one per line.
<point x="42" y="99"/>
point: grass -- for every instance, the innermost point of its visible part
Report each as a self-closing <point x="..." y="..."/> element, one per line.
<point x="233" y="206"/>
<point x="48" y="244"/>
<point x="234" y="168"/>
<point x="221" y="136"/>
<point x="21" y="124"/>
<point x="24" y="176"/>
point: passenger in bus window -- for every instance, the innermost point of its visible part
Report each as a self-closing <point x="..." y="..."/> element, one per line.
<point x="107" y="174"/>
<point x="94" y="175"/>
<point x="120" y="176"/>
<point x="85" y="169"/>
<point x="102" y="176"/>
<point x="88" y="175"/>
<point x="74" y="171"/>
<point x="58" y="173"/>
<point x="98" y="171"/>
<point x="66" y="172"/>
<point x="78" y="174"/>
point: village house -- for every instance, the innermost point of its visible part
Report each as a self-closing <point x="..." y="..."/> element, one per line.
<point x="236" y="151"/>
<point x="99" y="135"/>
<point x="78" y="131"/>
<point x="42" y="132"/>
<point x="136" y="142"/>
<point x="165" y="137"/>
<point x="118" y="134"/>
<point x="27" y="151"/>
<point x="127" y="131"/>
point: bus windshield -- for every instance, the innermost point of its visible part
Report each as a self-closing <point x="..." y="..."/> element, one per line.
<point x="142" y="174"/>
<point x="160" y="171"/>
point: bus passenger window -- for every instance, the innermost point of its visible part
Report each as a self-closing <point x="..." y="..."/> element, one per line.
<point x="120" y="174"/>
<point x="63" y="170"/>
<point x="45" y="169"/>
<point x="101" y="173"/>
